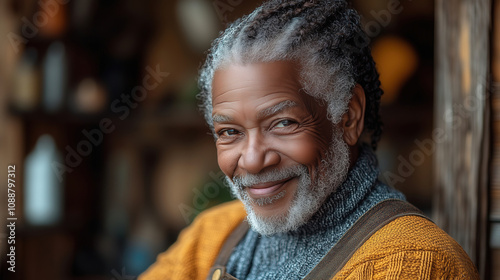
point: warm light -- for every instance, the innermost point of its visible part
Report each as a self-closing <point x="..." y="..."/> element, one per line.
<point x="396" y="61"/>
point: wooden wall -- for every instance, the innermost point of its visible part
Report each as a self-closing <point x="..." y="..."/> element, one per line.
<point x="462" y="114"/>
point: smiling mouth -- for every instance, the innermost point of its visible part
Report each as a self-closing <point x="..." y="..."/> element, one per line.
<point x="267" y="189"/>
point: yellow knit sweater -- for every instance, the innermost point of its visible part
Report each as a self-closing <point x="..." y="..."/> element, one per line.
<point x="408" y="248"/>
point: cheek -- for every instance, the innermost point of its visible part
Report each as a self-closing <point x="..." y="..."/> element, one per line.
<point x="227" y="159"/>
<point x="307" y="149"/>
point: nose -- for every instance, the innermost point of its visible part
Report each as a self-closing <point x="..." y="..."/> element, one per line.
<point x="257" y="155"/>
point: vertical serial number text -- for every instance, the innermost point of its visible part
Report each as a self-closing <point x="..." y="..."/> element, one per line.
<point x="11" y="219"/>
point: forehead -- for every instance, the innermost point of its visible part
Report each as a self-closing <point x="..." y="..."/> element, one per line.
<point x="264" y="79"/>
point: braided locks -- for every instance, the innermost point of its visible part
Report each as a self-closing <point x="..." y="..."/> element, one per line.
<point x="325" y="37"/>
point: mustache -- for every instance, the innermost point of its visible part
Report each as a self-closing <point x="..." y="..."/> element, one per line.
<point x="248" y="180"/>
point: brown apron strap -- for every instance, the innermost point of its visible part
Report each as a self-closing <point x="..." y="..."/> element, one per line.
<point x="373" y="220"/>
<point x="369" y="223"/>
<point x="218" y="270"/>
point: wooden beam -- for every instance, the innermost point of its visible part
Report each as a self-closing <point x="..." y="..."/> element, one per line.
<point x="495" y="160"/>
<point x="495" y="63"/>
<point x="462" y="117"/>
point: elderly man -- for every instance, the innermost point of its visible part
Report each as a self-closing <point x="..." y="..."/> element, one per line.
<point x="288" y="91"/>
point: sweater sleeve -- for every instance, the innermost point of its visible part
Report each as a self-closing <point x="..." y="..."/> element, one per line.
<point x="409" y="248"/>
<point x="197" y="246"/>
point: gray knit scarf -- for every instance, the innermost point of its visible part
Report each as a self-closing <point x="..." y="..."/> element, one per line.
<point x="293" y="254"/>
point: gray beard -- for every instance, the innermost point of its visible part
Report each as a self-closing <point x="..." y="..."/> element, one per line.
<point x="309" y="195"/>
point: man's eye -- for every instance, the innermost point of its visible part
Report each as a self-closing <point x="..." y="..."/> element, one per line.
<point x="284" y="123"/>
<point x="228" y="132"/>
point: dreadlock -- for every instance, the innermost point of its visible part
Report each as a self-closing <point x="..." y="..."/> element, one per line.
<point x="325" y="37"/>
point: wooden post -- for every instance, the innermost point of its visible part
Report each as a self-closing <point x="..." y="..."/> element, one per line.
<point x="495" y="161"/>
<point x="462" y="128"/>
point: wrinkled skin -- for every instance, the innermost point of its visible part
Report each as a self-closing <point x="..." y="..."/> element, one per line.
<point x="263" y="120"/>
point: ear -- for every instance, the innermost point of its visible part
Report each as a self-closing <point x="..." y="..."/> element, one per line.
<point x="353" y="121"/>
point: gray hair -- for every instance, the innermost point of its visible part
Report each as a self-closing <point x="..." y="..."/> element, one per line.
<point x="319" y="35"/>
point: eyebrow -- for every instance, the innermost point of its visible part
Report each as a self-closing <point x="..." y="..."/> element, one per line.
<point x="275" y="109"/>
<point x="269" y="111"/>
<point x="221" y="119"/>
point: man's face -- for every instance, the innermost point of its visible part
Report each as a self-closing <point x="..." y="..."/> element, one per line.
<point x="271" y="137"/>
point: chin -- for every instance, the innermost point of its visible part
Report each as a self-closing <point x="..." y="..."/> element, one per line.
<point x="279" y="205"/>
<point x="280" y="213"/>
<point x="275" y="214"/>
